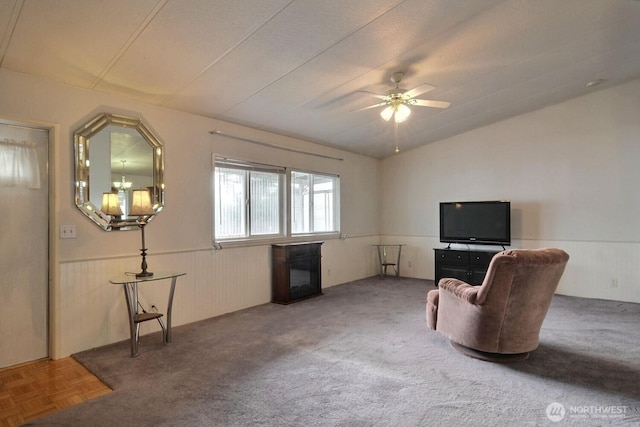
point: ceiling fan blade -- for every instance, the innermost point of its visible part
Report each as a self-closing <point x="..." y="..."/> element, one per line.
<point x="430" y="103"/>
<point x="371" y="106"/>
<point x="423" y="88"/>
<point x="385" y="97"/>
<point x="376" y="95"/>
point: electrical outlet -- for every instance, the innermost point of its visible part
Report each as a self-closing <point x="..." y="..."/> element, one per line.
<point x="67" y="231"/>
<point x="614" y="283"/>
<point x="410" y="264"/>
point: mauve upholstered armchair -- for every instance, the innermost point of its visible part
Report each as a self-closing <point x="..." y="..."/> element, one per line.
<point x="499" y="320"/>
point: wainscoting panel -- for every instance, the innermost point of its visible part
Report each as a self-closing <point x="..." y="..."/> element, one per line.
<point x="603" y="270"/>
<point x="90" y="312"/>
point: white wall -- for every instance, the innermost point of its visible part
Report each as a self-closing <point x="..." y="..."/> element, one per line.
<point x="570" y="170"/>
<point x="86" y="311"/>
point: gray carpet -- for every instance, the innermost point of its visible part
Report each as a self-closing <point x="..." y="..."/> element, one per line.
<point x="361" y="355"/>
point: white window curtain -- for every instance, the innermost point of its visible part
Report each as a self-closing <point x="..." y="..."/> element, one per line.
<point x="19" y="164"/>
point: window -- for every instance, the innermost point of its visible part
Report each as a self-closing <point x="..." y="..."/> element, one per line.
<point x="314" y="203"/>
<point x="19" y="164"/>
<point x="248" y="199"/>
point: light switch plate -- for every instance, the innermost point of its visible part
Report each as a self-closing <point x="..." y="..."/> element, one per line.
<point x="67" y="231"/>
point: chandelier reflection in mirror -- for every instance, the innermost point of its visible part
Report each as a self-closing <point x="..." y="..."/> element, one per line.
<point x="123" y="187"/>
<point x="102" y="148"/>
<point x="123" y="184"/>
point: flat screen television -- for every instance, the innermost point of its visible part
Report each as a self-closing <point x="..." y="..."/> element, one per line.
<point x="485" y="223"/>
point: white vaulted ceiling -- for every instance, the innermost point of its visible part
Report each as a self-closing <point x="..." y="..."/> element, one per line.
<point x="300" y="68"/>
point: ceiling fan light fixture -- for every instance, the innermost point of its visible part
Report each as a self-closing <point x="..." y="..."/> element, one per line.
<point x="402" y="113"/>
<point x="399" y="111"/>
<point x="387" y="113"/>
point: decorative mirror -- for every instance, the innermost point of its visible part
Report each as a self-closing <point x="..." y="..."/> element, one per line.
<point x="115" y="155"/>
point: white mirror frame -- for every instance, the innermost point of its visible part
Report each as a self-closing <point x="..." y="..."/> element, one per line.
<point x="82" y="143"/>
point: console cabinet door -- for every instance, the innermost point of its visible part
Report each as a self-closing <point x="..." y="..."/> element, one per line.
<point x="478" y="266"/>
<point x="451" y="263"/>
<point x="460" y="273"/>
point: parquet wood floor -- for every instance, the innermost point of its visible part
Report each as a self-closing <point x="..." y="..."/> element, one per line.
<point x="34" y="389"/>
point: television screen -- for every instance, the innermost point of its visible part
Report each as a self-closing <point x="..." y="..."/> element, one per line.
<point x="487" y="223"/>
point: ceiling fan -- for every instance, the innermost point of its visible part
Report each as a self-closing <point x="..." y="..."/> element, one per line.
<point x="398" y="102"/>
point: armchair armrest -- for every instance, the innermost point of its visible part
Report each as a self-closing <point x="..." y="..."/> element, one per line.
<point x="459" y="289"/>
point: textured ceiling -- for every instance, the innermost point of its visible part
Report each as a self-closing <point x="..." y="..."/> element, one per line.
<point x="300" y="68"/>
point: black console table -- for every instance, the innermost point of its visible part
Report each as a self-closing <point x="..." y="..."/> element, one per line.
<point x="467" y="265"/>
<point x="295" y="272"/>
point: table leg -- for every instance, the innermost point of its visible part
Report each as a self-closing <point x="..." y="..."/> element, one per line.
<point x="131" y="309"/>
<point x="167" y="337"/>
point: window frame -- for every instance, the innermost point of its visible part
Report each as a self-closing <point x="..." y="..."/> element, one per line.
<point x="335" y="201"/>
<point x="285" y="200"/>
<point x="248" y="167"/>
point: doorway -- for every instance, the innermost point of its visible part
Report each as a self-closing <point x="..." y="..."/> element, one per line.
<point x="24" y="243"/>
